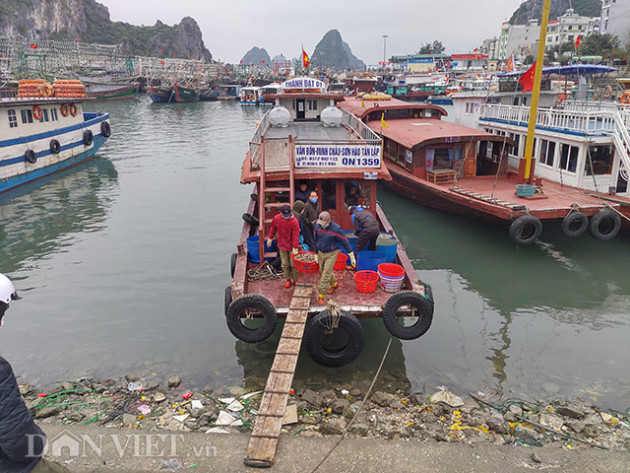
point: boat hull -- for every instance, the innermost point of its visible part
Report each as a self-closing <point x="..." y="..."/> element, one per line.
<point x="159" y="95"/>
<point x="185" y="95"/>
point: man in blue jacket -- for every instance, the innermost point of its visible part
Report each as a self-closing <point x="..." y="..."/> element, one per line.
<point x="328" y="237"/>
<point x="21" y="441"/>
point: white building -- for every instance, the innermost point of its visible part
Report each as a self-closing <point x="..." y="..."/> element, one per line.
<point x="568" y="27"/>
<point x="522" y="40"/>
<point x="616" y="20"/>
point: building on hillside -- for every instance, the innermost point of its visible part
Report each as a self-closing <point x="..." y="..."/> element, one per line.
<point x="281" y="65"/>
<point x="491" y="48"/>
<point x="615" y="20"/>
<point x="568" y="27"/>
<point x="413" y="63"/>
<point x="522" y="40"/>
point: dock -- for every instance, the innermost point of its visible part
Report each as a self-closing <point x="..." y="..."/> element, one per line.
<point x="266" y="434"/>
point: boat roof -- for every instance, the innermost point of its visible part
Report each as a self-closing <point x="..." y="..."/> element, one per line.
<point x="574" y="70"/>
<point x="361" y="108"/>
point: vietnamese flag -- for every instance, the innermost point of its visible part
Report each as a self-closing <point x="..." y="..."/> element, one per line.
<point x="305" y="59"/>
<point x="33" y="46"/>
<point x="577" y="41"/>
<point x="527" y="79"/>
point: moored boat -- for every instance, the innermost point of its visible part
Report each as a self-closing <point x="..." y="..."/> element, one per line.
<point x="183" y="94"/>
<point x="307" y="137"/>
<point x="251" y="95"/>
<point x="45" y="130"/>
<point x="161" y="94"/>
<point x="102" y="90"/>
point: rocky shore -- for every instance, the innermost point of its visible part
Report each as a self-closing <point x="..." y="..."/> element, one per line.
<point x="138" y="403"/>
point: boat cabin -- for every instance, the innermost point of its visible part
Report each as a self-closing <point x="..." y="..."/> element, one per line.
<point x="251" y="95"/>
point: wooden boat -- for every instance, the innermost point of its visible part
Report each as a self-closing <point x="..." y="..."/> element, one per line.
<point x="45" y="130"/>
<point x="161" y="94"/>
<point x="306" y="136"/>
<point x="183" y="94"/>
<point x="101" y="90"/>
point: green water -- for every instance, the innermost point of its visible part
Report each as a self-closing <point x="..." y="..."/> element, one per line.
<point x="123" y="262"/>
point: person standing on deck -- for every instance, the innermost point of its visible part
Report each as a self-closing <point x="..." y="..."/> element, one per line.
<point x="302" y="193"/>
<point x="288" y="229"/>
<point x="366" y="227"/>
<point x="307" y="233"/>
<point x="21" y="440"/>
<point x="328" y="237"/>
<point x="309" y="217"/>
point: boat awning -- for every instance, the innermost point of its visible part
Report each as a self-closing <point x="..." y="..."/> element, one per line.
<point x="361" y="108"/>
<point x="574" y="70"/>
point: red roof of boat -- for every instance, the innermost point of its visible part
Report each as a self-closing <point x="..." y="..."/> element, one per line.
<point x="360" y="108"/>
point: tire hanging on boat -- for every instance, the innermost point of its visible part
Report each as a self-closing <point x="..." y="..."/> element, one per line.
<point x="55" y="146"/>
<point x="419" y="307"/>
<point x="605" y="224"/>
<point x="227" y="299"/>
<point x="253" y="221"/>
<point x="30" y="156"/>
<point x="106" y="129"/>
<point x="319" y="333"/>
<point x="251" y="306"/>
<point x="574" y="224"/>
<point x="526" y="229"/>
<point x="88" y="137"/>
<point x="233" y="257"/>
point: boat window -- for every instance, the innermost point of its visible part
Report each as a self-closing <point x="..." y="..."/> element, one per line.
<point x="44" y="115"/>
<point x="547" y="152"/>
<point x="329" y="195"/>
<point x="443" y="158"/>
<point x="312" y="104"/>
<point x="354" y="194"/>
<point x="599" y="160"/>
<point x="12" y="118"/>
<point x="53" y="115"/>
<point x="568" y="157"/>
<point x="27" y="116"/>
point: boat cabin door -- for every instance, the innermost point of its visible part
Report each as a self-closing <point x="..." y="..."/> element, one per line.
<point x="300" y="109"/>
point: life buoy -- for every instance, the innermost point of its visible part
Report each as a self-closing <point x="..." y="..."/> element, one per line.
<point x="321" y="339"/>
<point x="607" y="92"/>
<point x="73" y="110"/>
<point x="37" y="112"/>
<point x="233" y="257"/>
<point x="251" y="307"/>
<point x="407" y="303"/>
<point x="106" y="130"/>
<point x="574" y="224"/>
<point x="46" y="90"/>
<point x="55" y="146"/>
<point x="30" y="156"/>
<point x="227" y="299"/>
<point x="560" y="98"/>
<point x="526" y="229"/>
<point x="253" y="221"/>
<point x="625" y="97"/>
<point x="251" y="98"/>
<point x="605" y="224"/>
<point x="88" y="137"/>
<point x="64" y="109"/>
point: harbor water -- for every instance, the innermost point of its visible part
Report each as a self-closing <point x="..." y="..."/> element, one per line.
<point x="122" y="263"/>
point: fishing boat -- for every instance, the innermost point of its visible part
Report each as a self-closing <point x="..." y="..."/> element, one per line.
<point x="161" y="94"/>
<point x="306" y="136"/>
<point x="251" y="95"/>
<point x="183" y="94"/>
<point x="45" y="130"/>
<point x="105" y="90"/>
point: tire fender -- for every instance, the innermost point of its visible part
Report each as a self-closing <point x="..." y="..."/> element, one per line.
<point x="605" y="224"/>
<point x="106" y="129"/>
<point x="526" y="229"/>
<point x="421" y="306"/>
<point x="574" y="224"/>
<point x="227" y="299"/>
<point x="55" y="146"/>
<point x="88" y="137"/>
<point x="316" y="331"/>
<point x="233" y="263"/>
<point x="30" y="156"/>
<point x="256" y="305"/>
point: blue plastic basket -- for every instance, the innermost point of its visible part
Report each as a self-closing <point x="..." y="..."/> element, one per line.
<point x="525" y="190"/>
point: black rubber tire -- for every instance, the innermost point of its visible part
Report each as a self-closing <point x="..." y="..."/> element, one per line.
<point x="233" y="263"/>
<point x="227" y="299"/>
<point x="30" y="156"/>
<point x="316" y="332"/>
<point x="605" y="224"/>
<point x="253" y="221"/>
<point x="525" y="230"/>
<point x="55" y="146"/>
<point x="574" y="224"/>
<point x="106" y="130"/>
<point x="421" y="304"/>
<point x="88" y="137"/>
<point x="251" y="303"/>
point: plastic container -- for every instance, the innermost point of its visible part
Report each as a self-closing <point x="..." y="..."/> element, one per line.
<point x="391" y="276"/>
<point x="340" y="263"/>
<point x="369" y="260"/>
<point x="253" y="249"/>
<point x="366" y="281"/>
<point x="387" y="245"/>
<point x="303" y="266"/>
<point x="525" y="190"/>
<point x="352" y="239"/>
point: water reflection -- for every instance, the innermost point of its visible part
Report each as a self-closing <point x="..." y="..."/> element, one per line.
<point x="38" y="219"/>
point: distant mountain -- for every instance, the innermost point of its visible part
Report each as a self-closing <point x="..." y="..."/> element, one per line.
<point x="333" y="52"/>
<point x="67" y="20"/>
<point x="532" y="9"/>
<point x="257" y="56"/>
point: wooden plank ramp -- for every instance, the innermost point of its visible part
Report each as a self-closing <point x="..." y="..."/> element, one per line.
<point x="266" y="434"/>
<point x="485" y="198"/>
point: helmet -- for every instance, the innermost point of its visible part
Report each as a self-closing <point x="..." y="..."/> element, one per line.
<point x="7" y="290"/>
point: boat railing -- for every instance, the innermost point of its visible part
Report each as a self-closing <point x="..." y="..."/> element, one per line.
<point x="254" y="144"/>
<point x="359" y="128"/>
<point x="580" y="122"/>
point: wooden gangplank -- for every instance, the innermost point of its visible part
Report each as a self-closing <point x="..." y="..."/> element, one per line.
<point x="265" y="436"/>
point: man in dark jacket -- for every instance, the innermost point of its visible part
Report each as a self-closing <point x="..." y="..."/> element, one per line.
<point x="309" y="217"/>
<point x="366" y="227"/>
<point x="21" y="441"/>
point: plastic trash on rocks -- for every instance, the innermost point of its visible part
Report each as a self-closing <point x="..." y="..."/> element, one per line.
<point x="448" y="398"/>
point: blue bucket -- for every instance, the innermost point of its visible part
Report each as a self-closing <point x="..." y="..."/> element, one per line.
<point x="369" y="260"/>
<point x="388" y="246"/>
<point x="253" y="249"/>
<point x="349" y="234"/>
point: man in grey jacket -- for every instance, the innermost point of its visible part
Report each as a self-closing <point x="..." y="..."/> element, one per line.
<point x="21" y="441"/>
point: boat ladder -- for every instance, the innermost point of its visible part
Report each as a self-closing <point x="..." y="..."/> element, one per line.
<point x="266" y="434"/>
<point x="485" y="198"/>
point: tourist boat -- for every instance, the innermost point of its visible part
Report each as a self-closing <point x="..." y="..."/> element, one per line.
<point x="305" y="136"/>
<point x="267" y="91"/>
<point x="251" y="95"/>
<point x="45" y="130"/>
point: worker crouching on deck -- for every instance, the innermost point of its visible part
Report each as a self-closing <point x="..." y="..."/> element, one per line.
<point x="288" y="229"/>
<point x="366" y="227"/>
<point x="328" y="237"/>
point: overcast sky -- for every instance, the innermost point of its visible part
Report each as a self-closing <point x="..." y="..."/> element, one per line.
<point x="232" y="27"/>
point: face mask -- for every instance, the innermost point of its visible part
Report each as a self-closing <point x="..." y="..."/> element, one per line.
<point x="314" y="200"/>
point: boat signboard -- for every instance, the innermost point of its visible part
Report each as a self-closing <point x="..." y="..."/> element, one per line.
<point x="340" y="155"/>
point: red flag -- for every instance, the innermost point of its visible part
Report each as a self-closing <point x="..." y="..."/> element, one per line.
<point x="510" y="63"/>
<point x="577" y="41"/>
<point x="33" y="46"/>
<point x="161" y="50"/>
<point x="527" y="79"/>
<point x="305" y="59"/>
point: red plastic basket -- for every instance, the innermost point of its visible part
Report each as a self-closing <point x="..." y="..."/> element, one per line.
<point x="305" y="267"/>
<point x="391" y="270"/>
<point x="340" y="263"/>
<point x="366" y="281"/>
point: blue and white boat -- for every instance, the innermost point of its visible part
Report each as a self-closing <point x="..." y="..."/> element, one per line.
<point x="41" y="134"/>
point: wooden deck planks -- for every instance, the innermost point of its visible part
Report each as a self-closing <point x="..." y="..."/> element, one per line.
<point x="264" y="439"/>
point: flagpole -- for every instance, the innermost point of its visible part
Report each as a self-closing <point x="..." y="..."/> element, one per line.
<point x="533" y="109"/>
